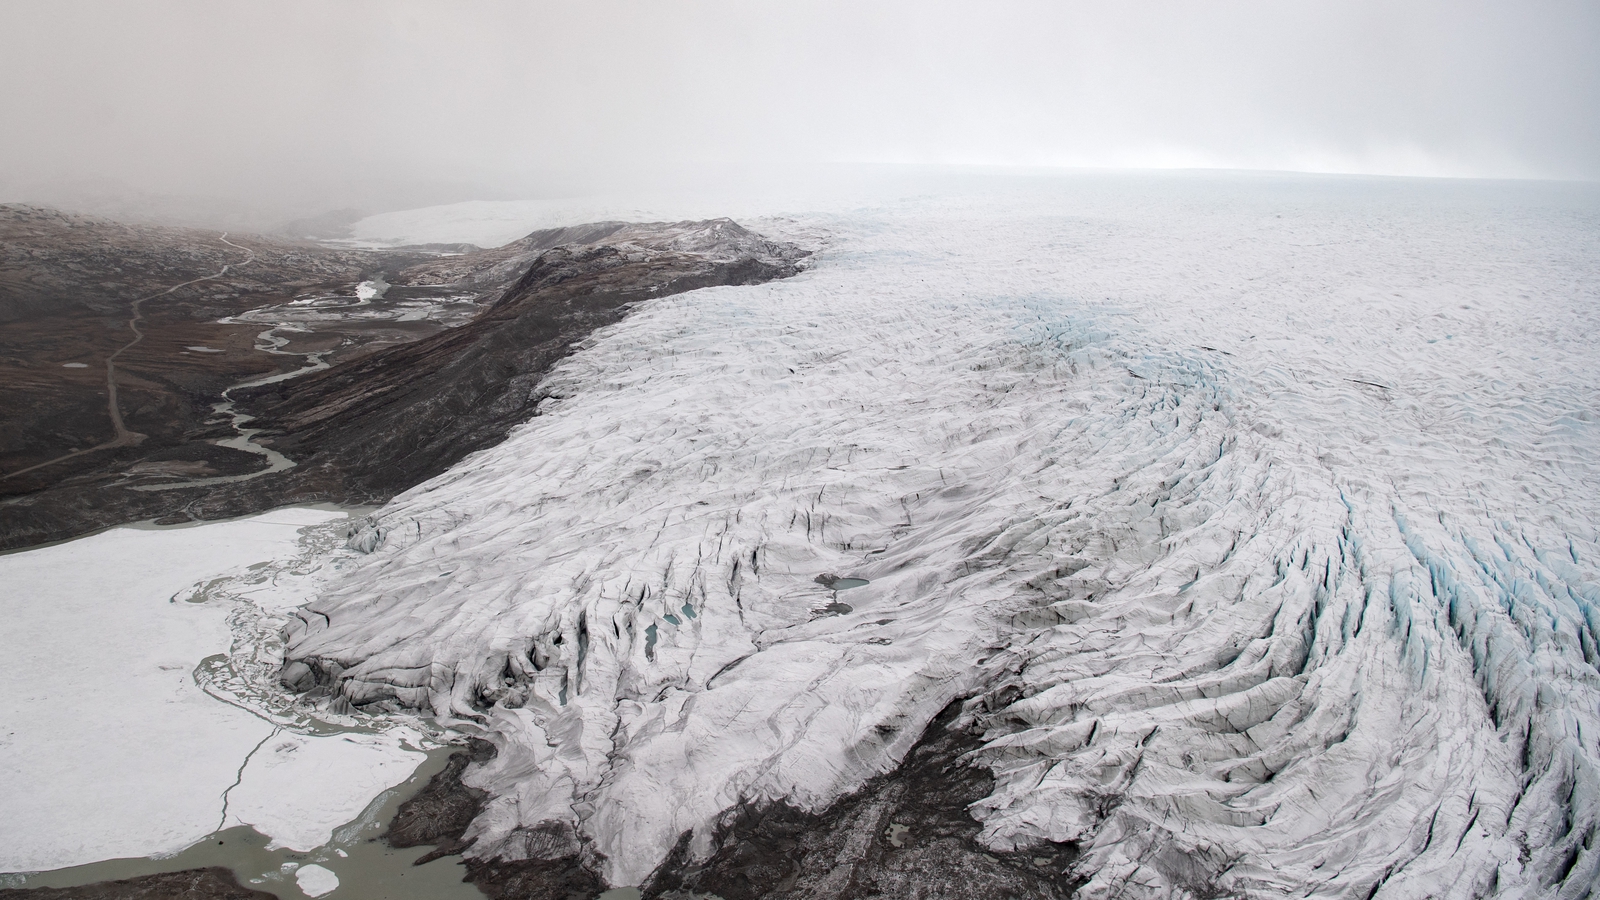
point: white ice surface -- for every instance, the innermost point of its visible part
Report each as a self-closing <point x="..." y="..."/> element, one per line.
<point x="298" y="788"/>
<point x="109" y="748"/>
<point x="1275" y="498"/>
<point x="314" y="880"/>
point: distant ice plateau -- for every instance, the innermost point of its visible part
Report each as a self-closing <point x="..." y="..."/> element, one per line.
<point x="484" y="223"/>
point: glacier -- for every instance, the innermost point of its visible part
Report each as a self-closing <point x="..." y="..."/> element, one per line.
<point x="1252" y="519"/>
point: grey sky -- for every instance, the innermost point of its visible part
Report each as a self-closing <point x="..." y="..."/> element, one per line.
<point x="311" y="105"/>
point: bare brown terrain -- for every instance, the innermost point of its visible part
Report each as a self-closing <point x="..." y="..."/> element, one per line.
<point x="190" y="884"/>
<point x="79" y="293"/>
<point x="175" y="374"/>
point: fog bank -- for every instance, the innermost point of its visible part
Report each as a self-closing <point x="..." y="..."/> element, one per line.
<point x="193" y="110"/>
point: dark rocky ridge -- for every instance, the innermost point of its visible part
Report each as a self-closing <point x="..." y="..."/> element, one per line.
<point x="395" y="408"/>
<point x="216" y="883"/>
<point x="439" y="813"/>
<point x="905" y="834"/>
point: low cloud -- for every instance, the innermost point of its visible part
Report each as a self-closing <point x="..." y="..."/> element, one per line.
<point x="296" y="108"/>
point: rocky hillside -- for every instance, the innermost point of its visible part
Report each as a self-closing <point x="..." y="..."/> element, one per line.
<point x="364" y="372"/>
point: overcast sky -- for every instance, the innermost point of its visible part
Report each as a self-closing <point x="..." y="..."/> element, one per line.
<point x="375" y="104"/>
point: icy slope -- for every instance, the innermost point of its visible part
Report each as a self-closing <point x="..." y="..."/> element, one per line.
<point x="1262" y="515"/>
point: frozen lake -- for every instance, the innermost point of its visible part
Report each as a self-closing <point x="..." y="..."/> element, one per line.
<point x="131" y="729"/>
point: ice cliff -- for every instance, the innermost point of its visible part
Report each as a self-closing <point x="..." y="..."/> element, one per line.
<point x="1259" y="523"/>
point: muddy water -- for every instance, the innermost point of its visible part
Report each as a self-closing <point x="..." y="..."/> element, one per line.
<point x="367" y="868"/>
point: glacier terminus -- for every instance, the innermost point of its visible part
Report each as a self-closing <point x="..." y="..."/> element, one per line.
<point x="1247" y="524"/>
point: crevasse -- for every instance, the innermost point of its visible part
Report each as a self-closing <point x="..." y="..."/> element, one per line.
<point x="1269" y="545"/>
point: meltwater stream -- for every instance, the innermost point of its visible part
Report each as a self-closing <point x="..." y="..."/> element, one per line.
<point x="267" y="342"/>
<point x="272" y="343"/>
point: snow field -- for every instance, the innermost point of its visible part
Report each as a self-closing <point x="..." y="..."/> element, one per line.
<point x="1268" y="545"/>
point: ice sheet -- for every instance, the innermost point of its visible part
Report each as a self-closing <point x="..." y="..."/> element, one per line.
<point x="1261" y="513"/>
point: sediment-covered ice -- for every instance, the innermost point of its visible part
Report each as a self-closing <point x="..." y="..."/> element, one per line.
<point x="1260" y="513"/>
